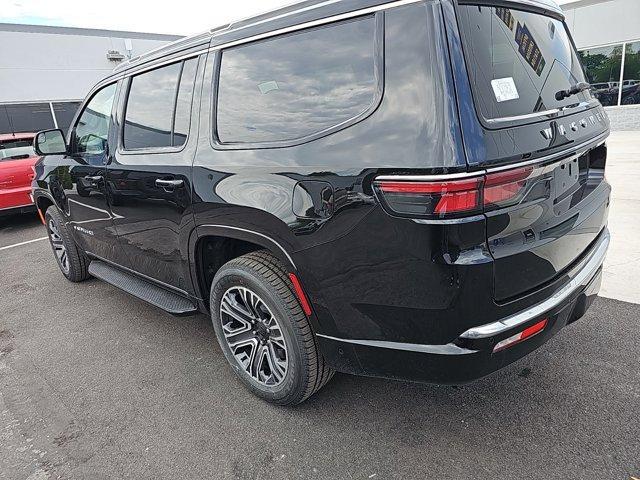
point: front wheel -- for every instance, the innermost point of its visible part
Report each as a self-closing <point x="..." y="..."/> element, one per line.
<point x="72" y="261"/>
<point x="263" y="331"/>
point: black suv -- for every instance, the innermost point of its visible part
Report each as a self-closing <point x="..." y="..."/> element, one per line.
<point x="410" y="189"/>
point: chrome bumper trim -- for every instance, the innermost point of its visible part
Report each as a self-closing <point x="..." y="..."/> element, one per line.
<point x="584" y="275"/>
<point x="447" y="349"/>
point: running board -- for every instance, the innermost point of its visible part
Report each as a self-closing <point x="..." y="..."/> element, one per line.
<point x="167" y="300"/>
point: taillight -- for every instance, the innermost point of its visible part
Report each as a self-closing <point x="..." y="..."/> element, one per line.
<point x="433" y="198"/>
<point x="454" y="198"/>
<point x="32" y="175"/>
<point x="504" y="188"/>
<point x="528" y="332"/>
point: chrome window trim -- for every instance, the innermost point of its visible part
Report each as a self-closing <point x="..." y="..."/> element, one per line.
<point x="313" y="23"/>
<point x="577" y="151"/>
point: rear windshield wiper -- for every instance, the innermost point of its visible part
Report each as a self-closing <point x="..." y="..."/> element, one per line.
<point x="577" y="88"/>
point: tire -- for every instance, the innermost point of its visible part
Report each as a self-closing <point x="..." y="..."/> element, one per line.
<point x="72" y="261"/>
<point x="258" y="284"/>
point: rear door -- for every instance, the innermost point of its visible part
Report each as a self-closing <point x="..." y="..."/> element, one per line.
<point x="149" y="176"/>
<point x="544" y="214"/>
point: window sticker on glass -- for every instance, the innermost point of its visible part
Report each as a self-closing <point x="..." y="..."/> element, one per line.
<point x="266" y="87"/>
<point x="504" y="89"/>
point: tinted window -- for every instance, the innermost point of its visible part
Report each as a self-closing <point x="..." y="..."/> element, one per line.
<point x="150" y="108"/>
<point x="183" y="102"/>
<point x="297" y="85"/>
<point x="602" y="66"/>
<point x="153" y="96"/>
<point x="25" y="117"/>
<point x="92" y="130"/>
<point x="518" y="61"/>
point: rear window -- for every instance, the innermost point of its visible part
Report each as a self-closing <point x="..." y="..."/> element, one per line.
<point x="518" y="61"/>
<point x="293" y="86"/>
<point x="16" y="149"/>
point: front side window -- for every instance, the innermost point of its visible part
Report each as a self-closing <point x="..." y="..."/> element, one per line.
<point x="518" y="61"/>
<point x="293" y="86"/>
<point x="92" y="129"/>
<point x="151" y="118"/>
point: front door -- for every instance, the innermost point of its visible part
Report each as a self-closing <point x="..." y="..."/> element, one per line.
<point x="149" y="175"/>
<point x="79" y="180"/>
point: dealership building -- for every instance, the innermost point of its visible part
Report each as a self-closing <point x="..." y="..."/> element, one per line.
<point x="46" y="71"/>
<point x="607" y="34"/>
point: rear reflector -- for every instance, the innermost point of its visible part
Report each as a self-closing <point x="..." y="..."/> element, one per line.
<point x="523" y="335"/>
<point x="306" y="307"/>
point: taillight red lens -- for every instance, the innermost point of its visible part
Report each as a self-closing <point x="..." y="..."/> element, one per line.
<point x="505" y="186"/>
<point x="433" y="198"/>
<point x="455" y="198"/>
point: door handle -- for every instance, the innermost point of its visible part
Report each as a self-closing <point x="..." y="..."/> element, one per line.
<point x="169" y="184"/>
<point x="94" y="179"/>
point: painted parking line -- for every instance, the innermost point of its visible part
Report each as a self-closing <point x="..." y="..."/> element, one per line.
<point x="24" y="243"/>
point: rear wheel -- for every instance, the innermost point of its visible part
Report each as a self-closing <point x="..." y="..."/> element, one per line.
<point x="263" y="332"/>
<point x="72" y="261"/>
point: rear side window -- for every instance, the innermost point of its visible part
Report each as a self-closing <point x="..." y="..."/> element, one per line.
<point x="294" y="86"/>
<point x="158" y="107"/>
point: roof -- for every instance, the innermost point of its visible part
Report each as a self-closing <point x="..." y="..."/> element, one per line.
<point x="281" y="19"/>
<point x="87" y="32"/>
<point x="16" y="136"/>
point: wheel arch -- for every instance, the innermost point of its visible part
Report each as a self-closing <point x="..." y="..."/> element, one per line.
<point x="245" y="240"/>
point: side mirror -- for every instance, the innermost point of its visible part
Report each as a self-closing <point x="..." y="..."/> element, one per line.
<point x="50" y="142"/>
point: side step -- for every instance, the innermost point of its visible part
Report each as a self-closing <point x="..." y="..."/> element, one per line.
<point x="167" y="300"/>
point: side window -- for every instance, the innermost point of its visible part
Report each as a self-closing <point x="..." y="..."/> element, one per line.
<point x="152" y="119"/>
<point x="293" y="86"/>
<point x="92" y="129"/>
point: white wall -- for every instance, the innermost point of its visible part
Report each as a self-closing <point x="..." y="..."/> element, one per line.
<point x="46" y="66"/>
<point x="594" y="23"/>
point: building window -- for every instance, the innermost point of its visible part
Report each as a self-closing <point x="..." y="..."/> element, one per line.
<point x="631" y="75"/>
<point x="25" y="117"/>
<point x="65" y="111"/>
<point x="291" y="87"/>
<point x="606" y="66"/>
<point x="603" y="66"/>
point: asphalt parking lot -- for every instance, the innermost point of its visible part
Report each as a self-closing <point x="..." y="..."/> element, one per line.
<point x="96" y="384"/>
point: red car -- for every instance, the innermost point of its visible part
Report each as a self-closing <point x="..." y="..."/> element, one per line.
<point x="17" y="159"/>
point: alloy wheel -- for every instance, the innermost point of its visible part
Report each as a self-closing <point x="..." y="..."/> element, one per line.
<point x="254" y="336"/>
<point x="58" y="246"/>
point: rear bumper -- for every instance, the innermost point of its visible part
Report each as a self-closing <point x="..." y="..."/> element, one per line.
<point x="470" y="356"/>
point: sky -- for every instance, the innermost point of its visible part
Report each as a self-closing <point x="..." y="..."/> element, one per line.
<point x="137" y="15"/>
